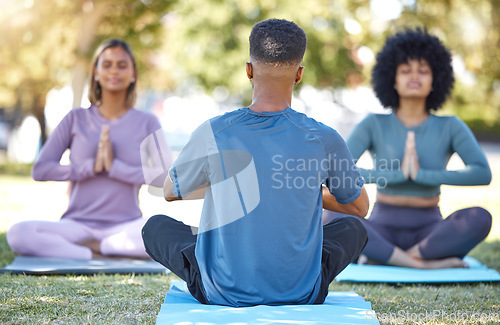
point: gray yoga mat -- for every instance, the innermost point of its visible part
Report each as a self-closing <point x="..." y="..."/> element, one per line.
<point x="57" y="266"/>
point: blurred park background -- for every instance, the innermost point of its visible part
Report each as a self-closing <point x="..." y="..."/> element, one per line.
<point x="191" y="56"/>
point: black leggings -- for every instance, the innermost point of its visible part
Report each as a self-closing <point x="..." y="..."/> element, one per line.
<point x="172" y="244"/>
<point x="394" y="226"/>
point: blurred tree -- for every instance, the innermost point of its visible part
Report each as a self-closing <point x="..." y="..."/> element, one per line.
<point x="210" y="39"/>
<point x="34" y="50"/>
<point x="47" y="43"/>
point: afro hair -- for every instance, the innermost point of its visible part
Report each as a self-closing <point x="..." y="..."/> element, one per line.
<point x="277" y="41"/>
<point x="413" y="44"/>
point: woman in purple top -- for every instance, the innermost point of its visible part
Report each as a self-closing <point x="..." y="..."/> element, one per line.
<point x="111" y="152"/>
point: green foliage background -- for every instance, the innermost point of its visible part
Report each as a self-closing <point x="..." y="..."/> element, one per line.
<point x="184" y="43"/>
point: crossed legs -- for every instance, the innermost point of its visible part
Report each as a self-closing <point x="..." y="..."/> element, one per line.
<point x="71" y="239"/>
<point x="437" y="244"/>
<point x="172" y="244"/>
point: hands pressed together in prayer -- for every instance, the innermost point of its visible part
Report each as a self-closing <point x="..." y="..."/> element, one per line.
<point x="105" y="155"/>
<point x="410" y="165"/>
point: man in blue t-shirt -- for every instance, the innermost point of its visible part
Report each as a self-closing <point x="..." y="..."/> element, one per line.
<point x="265" y="173"/>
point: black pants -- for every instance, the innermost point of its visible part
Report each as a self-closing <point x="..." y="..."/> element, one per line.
<point x="172" y="244"/>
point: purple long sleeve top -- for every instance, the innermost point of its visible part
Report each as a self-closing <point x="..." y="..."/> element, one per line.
<point x="103" y="199"/>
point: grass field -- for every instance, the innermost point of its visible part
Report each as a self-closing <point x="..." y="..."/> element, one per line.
<point x="136" y="299"/>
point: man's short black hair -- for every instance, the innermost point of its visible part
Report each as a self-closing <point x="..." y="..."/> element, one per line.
<point x="277" y="41"/>
<point x="413" y="44"/>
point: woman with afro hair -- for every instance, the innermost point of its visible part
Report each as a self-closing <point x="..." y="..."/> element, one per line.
<point x="410" y="148"/>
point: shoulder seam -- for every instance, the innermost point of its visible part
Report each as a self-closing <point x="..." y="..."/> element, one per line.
<point x="229" y="125"/>
<point x="316" y="137"/>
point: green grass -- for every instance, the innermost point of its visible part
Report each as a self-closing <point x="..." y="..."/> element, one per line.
<point x="431" y="304"/>
<point x="136" y="299"/>
<point x="15" y="169"/>
<point x="6" y="254"/>
<point x="436" y="304"/>
<point x="98" y="299"/>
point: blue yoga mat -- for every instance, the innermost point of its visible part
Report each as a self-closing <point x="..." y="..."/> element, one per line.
<point x="339" y="308"/>
<point x="476" y="272"/>
<point x="53" y="266"/>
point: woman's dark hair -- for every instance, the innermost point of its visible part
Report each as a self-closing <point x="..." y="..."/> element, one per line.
<point x="277" y="41"/>
<point x="413" y="44"/>
<point x="94" y="86"/>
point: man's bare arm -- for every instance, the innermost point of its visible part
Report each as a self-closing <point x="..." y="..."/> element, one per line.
<point x="197" y="194"/>
<point x="358" y="207"/>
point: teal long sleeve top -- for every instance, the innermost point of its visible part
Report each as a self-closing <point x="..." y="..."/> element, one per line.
<point x="436" y="139"/>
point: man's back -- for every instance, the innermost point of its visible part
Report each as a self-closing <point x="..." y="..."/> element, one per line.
<point x="260" y="234"/>
<point x="260" y="171"/>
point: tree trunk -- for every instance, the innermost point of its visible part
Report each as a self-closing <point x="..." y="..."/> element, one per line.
<point x="90" y="21"/>
<point x="79" y="79"/>
<point x="39" y="112"/>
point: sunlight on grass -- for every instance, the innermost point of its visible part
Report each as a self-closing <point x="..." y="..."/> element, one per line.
<point x="103" y="299"/>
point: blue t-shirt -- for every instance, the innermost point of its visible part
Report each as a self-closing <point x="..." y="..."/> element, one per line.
<point x="260" y="235"/>
<point x="436" y="139"/>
